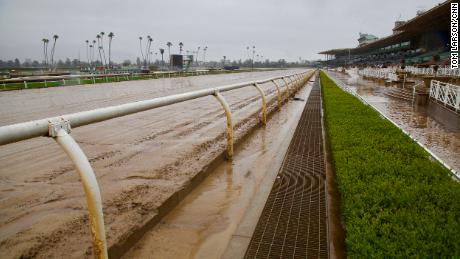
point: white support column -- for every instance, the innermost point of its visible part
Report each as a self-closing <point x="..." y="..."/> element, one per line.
<point x="287" y="86"/>
<point x="278" y="93"/>
<point x="264" y="104"/>
<point x="60" y="132"/>
<point x="228" y="114"/>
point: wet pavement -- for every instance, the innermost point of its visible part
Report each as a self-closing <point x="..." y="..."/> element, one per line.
<point x="434" y="126"/>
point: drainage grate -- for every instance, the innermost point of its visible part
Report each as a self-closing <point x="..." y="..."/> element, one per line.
<point x="293" y="223"/>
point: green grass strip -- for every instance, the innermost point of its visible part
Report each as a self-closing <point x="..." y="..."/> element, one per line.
<point x="395" y="200"/>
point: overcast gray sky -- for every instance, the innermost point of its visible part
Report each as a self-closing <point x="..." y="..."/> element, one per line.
<point x="278" y="28"/>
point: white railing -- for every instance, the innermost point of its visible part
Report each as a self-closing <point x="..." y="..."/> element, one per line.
<point x="380" y="73"/>
<point x="445" y="93"/>
<point x="63" y="80"/>
<point x="429" y="71"/>
<point x="59" y="128"/>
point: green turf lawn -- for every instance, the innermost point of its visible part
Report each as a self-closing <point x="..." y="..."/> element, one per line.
<point x="395" y="200"/>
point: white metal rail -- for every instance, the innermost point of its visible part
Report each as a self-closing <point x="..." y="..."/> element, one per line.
<point x="79" y="79"/>
<point x="59" y="128"/>
<point x="447" y="94"/>
<point x="380" y="73"/>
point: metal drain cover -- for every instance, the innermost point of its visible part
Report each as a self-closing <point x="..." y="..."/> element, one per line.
<point x="293" y="223"/>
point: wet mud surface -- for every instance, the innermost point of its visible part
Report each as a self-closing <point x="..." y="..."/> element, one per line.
<point x="140" y="160"/>
<point x="434" y="126"/>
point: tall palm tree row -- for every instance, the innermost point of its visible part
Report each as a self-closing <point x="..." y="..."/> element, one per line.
<point x="55" y="37"/>
<point x="99" y="47"/>
<point x="147" y="49"/>
<point x="102" y="48"/>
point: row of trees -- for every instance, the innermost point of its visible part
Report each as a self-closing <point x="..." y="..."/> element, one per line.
<point x="49" y="59"/>
<point x="91" y="45"/>
<point x="77" y="64"/>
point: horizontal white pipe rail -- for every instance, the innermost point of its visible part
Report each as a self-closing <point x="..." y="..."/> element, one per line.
<point x="59" y="128"/>
<point x="36" y="128"/>
<point x="387" y="74"/>
<point x="346" y="88"/>
<point x="111" y="75"/>
<point x="447" y="94"/>
<point x="429" y="71"/>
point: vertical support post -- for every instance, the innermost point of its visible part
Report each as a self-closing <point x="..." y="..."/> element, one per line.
<point x="46" y="84"/>
<point x="63" y="81"/>
<point x="264" y="104"/>
<point x="4" y="86"/>
<point x="228" y="114"/>
<point x="60" y="132"/>
<point x="278" y="93"/>
<point x="287" y="86"/>
<point x="94" y="80"/>
<point x="457" y="100"/>
<point x="106" y="79"/>
<point x="25" y="84"/>
<point x="79" y="81"/>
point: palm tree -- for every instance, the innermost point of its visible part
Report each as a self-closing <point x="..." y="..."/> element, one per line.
<point x="140" y="47"/>
<point x="90" y="55"/>
<point x="45" y="50"/>
<point x="102" y="47"/>
<point x="87" y="50"/>
<point x="147" y="49"/>
<point x="253" y="52"/>
<point x="162" y="51"/>
<point x="99" y="47"/>
<point x="180" y="47"/>
<point x="111" y="35"/>
<point x="55" y="37"/>
<point x="169" y="44"/>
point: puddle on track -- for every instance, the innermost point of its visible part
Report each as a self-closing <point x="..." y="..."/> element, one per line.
<point x="427" y="124"/>
<point x="202" y="225"/>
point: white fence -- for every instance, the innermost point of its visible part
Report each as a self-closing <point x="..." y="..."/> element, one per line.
<point x="381" y="73"/>
<point x="429" y="71"/>
<point x="445" y="93"/>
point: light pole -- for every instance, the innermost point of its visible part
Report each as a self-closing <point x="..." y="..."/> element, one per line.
<point x="197" y="52"/>
<point x="253" y="53"/>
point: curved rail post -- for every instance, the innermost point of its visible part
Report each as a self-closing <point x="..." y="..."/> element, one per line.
<point x="264" y="104"/>
<point x="287" y="86"/>
<point x="228" y="114"/>
<point x="60" y="132"/>
<point x="278" y="93"/>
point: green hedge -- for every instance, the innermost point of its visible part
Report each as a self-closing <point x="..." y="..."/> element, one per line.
<point x="395" y="201"/>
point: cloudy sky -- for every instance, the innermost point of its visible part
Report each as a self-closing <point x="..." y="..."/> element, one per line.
<point x="278" y="28"/>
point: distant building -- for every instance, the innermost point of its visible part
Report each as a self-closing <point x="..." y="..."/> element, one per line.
<point x="365" y="38"/>
<point x="415" y="41"/>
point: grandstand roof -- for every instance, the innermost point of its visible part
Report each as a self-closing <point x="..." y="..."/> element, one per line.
<point x="436" y="18"/>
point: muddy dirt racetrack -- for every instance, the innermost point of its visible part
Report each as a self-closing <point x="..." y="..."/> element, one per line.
<point x="139" y="160"/>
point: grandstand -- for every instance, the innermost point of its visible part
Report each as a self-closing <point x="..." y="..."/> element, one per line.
<point x="422" y="40"/>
